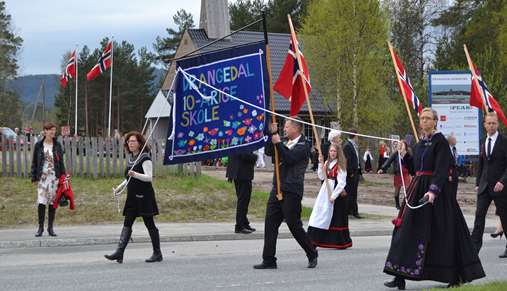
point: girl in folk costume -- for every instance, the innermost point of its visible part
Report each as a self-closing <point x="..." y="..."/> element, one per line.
<point x="407" y="170"/>
<point x="140" y="196"/>
<point x="329" y="222"/>
<point x="431" y="242"/>
<point x="368" y="160"/>
<point x="47" y="167"/>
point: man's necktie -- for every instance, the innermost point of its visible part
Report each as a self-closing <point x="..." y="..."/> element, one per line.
<point x="489" y="148"/>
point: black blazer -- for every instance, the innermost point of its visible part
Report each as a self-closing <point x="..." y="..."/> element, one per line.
<point x="352" y="158"/>
<point x="293" y="164"/>
<point x="494" y="169"/>
<point x="241" y="166"/>
<point x="38" y="160"/>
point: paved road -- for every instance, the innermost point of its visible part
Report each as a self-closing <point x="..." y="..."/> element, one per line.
<point x="212" y="265"/>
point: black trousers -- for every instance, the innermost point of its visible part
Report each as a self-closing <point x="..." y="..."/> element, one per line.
<point x="290" y="210"/>
<point x="483" y="201"/>
<point x="243" y="192"/>
<point x="149" y="222"/>
<point x="351" y="189"/>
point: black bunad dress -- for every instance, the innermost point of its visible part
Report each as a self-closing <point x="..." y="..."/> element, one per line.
<point x="432" y="242"/>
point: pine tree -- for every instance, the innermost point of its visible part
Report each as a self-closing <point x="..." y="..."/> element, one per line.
<point x="10" y="44"/>
<point x="165" y="47"/>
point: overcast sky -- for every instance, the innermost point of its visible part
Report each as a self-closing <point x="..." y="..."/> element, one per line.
<point x="49" y="28"/>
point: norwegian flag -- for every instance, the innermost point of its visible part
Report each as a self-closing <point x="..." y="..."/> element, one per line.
<point x="481" y="97"/>
<point x="70" y="70"/>
<point x="289" y="83"/>
<point x="103" y="64"/>
<point x="406" y="85"/>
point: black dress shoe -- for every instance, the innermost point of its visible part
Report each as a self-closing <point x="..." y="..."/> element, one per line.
<point x="496" y="234"/>
<point x="312" y="263"/>
<point x="357" y="216"/>
<point x="454" y="284"/>
<point x="265" y="265"/>
<point x="250" y="228"/>
<point x="243" y="230"/>
<point x="504" y="255"/>
<point x="396" y="283"/>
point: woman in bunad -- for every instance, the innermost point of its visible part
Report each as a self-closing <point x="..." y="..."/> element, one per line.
<point x="431" y="242"/>
<point x="140" y="196"/>
<point x="329" y="223"/>
<point x="403" y="151"/>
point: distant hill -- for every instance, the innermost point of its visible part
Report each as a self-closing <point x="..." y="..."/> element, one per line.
<point x="27" y="87"/>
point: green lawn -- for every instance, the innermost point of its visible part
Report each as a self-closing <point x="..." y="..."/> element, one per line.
<point x="494" y="286"/>
<point x="180" y="199"/>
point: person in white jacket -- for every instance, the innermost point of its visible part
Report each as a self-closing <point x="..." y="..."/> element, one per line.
<point x="329" y="223"/>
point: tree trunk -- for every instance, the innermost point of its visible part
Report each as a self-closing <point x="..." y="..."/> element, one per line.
<point x="355" y="117"/>
<point x="338" y="102"/>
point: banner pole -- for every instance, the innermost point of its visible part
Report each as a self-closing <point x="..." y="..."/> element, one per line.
<point x="279" y="194"/>
<point x="308" y="103"/>
<point x="110" y="89"/>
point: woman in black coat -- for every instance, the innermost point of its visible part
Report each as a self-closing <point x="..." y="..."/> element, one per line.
<point x="47" y="167"/>
<point x="140" y="196"/>
<point x="432" y="242"/>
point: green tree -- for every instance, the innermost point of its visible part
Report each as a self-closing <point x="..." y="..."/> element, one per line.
<point x="243" y="12"/>
<point x="344" y="43"/>
<point x="481" y="25"/>
<point x="10" y="44"/>
<point x="165" y="47"/>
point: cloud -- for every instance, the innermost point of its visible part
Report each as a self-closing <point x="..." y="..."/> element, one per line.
<point x="52" y="27"/>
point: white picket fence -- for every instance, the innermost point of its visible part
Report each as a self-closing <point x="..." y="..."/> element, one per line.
<point x="84" y="156"/>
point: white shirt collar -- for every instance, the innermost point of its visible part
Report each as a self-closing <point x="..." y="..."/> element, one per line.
<point x="291" y="143"/>
<point x="494" y="136"/>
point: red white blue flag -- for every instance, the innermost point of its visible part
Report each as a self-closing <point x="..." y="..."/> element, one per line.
<point x="406" y="85"/>
<point x="70" y="70"/>
<point x="103" y="64"/>
<point x="289" y="83"/>
<point x="481" y="97"/>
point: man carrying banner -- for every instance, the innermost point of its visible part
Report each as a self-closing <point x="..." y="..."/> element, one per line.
<point x="294" y="153"/>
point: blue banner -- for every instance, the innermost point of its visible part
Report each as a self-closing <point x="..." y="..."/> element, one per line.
<point x="208" y="124"/>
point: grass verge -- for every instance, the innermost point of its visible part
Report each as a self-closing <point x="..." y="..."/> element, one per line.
<point x="180" y="199"/>
<point x="493" y="286"/>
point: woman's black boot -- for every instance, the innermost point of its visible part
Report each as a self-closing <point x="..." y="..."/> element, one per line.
<point x="126" y="232"/>
<point x="155" y="241"/>
<point x="41" y="210"/>
<point x="51" y="220"/>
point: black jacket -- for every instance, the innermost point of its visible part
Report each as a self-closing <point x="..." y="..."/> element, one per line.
<point x="38" y="160"/>
<point x="407" y="161"/>
<point x="494" y="169"/>
<point x="293" y="164"/>
<point x="241" y="166"/>
<point x="352" y="158"/>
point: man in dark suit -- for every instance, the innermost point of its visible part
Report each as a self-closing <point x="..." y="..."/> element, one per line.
<point x="453" y="174"/>
<point x="491" y="179"/>
<point x="294" y="153"/>
<point x="241" y="170"/>
<point x="351" y="152"/>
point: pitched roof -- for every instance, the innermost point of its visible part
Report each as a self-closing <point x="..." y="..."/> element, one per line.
<point x="159" y="107"/>
<point x="279" y="44"/>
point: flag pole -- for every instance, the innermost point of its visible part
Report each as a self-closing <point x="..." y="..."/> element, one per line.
<point x="310" y="111"/>
<point x="75" y="101"/>
<point x="474" y="77"/>
<point x="403" y="92"/>
<point x="110" y="88"/>
<point x="279" y="194"/>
